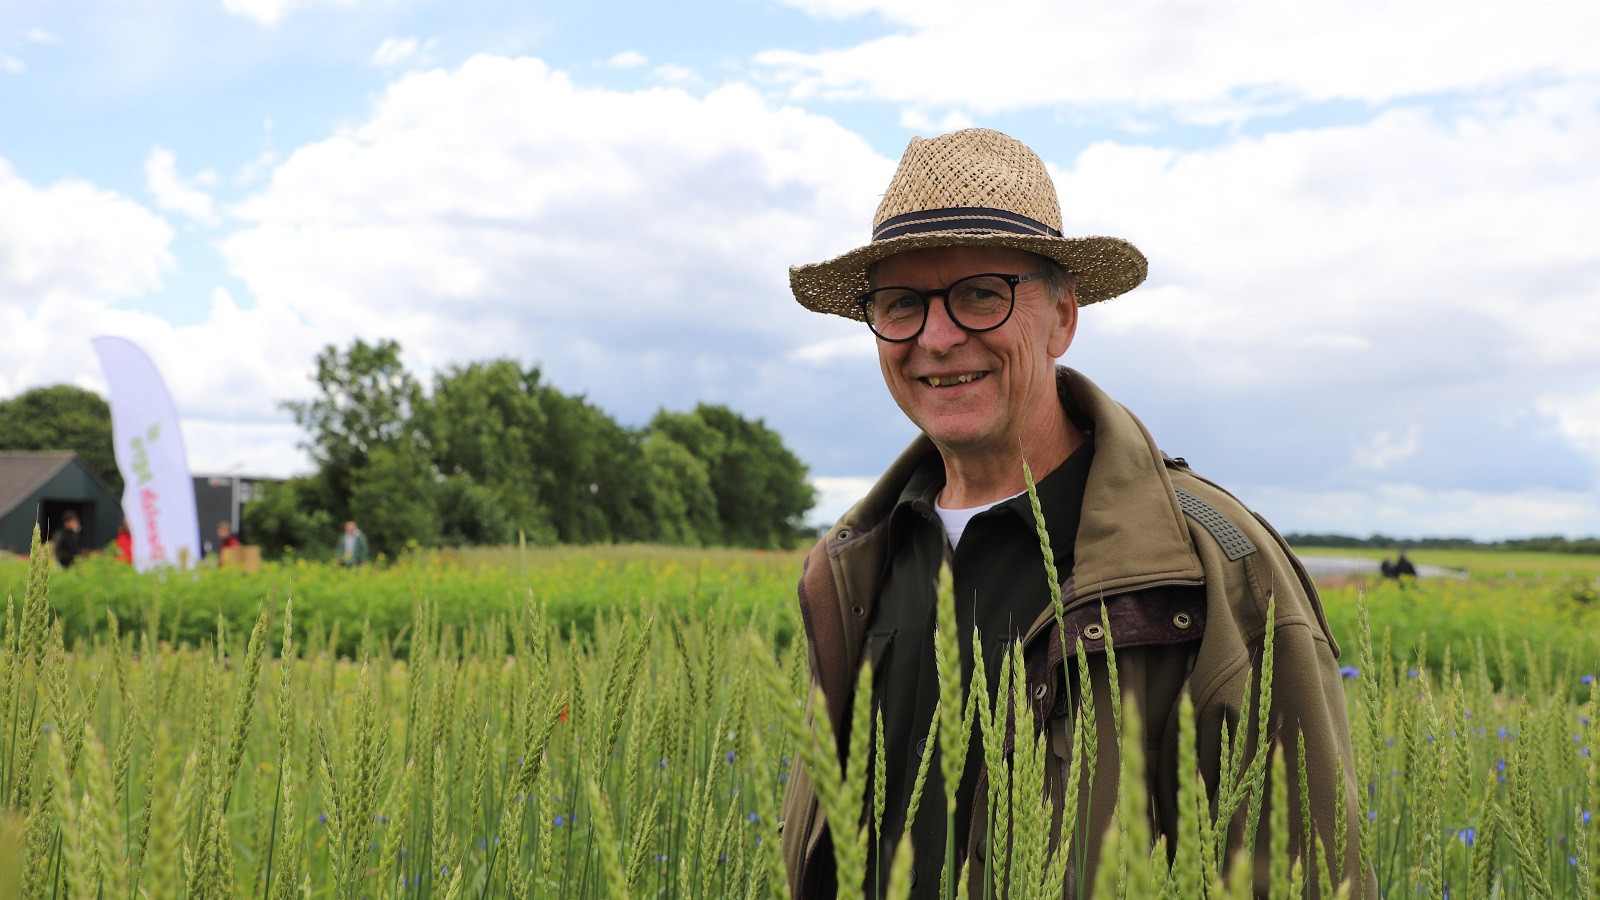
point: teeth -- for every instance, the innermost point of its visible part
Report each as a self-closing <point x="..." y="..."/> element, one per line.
<point x="941" y="381"/>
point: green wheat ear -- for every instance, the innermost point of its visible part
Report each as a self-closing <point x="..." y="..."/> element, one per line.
<point x="952" y="737"/>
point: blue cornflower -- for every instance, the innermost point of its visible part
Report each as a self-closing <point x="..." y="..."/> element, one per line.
<point x="1411" y="673"/>
<point x="1587" y="679"/>
<point x="560" y="821"/>
<point x="1501" y="733"/>
<point x="756" y="818"/>
<point x="323" y="818"/>
<point x="1468" y="836"/>
<point x="1586" y="817"/>
<point x="1372" y="815"/>
<point x="1349" y="671"/>
<point x="728" y="756"/>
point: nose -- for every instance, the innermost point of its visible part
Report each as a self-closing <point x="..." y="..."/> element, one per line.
<point x="940" y="333"/>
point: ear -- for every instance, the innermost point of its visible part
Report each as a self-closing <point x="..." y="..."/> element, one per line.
<point x="1063" y="323"/>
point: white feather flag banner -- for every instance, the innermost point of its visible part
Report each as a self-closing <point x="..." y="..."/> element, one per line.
<point x="158" y="502"/>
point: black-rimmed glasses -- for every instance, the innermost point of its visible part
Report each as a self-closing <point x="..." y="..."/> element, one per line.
<point x="977" y="303"/>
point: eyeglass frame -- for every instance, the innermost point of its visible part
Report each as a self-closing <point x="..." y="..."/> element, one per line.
<point x="864" y="299"/>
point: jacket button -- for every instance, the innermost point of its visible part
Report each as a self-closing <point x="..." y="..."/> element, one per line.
<point x="1039" y="691"/>
<point x="1182" y="620"/>
<point x="842" y="535"/>
<point x="859" y="610"/>
<point x="922" y="747"/>
<point x="1093" y="632"/>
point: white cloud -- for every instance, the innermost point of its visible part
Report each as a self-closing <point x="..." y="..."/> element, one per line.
<point x="830" y="349"/>
<point x="835" y="496"/>
<point x="226" y="373"/>
<point x="673" y="73"/>
<point x="395" y="50"/>
<point x="172" y="193"/>
<point x="628" y="59"/>
<point x="40" y="36"/>
<point x="1385" y="449"/>
<point x="1207" y="62"/>
<point x="271" y="13"/>
<point x="1577" y="416"/>
<point x="922" y="122"/>
<point x="73" y="239"/>
<point x="1379" y="251"/>
<point x="1405" y="510"/>
<point x="617" y="238"/>
<point x="12" y="64"/>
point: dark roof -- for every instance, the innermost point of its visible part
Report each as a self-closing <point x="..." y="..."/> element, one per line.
<point x="22" y="473"/>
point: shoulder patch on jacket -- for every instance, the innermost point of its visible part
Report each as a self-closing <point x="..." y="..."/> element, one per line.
<point x="1234" y="543"/>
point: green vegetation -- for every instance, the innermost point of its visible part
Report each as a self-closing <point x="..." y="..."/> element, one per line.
<point x="493" y="452"/>
<point x="62" y="417"/>
<point x="1481" y="564"/>
<point x="469" y="587"/>
<point x="492" y="739"/>
<point x="1546" y="544"/>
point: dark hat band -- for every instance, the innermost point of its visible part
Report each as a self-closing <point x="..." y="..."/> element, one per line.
<point x="961" y="218"/>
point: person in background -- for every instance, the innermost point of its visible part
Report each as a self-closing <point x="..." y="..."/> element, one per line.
<point x="124" y="542"/>
<point x="352" y="549"/>
<point x="68" y="540"/>
<point x="225" y="539"/>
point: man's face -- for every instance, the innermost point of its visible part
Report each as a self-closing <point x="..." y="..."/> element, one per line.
<point x="1007" y="375"/>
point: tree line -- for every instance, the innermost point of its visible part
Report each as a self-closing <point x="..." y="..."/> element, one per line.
<point x="1542" y="544"/>
<point x="494" y="452"/>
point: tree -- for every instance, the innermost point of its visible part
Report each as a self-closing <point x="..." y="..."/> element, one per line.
<point x="396" y="499"/>
<point x="292" y="515"/>
<point x="365" y="398"/>
<point x="62" y="417"/>
<point x="486" y="425"/>
<point x="761" y="490"/>
<point x="684" y="508"/>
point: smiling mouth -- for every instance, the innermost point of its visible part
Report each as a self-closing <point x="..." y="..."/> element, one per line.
<point x="951" y="380"/>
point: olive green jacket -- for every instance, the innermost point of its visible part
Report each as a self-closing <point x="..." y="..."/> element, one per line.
<point x="1184" y="572"/>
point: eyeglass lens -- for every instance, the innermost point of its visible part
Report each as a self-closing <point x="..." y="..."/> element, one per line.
<point x="976" y="303"/>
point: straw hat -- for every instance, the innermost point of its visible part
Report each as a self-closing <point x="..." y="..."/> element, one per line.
<point x="974" y="187"/>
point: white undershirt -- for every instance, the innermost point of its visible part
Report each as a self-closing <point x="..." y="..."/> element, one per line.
<point x="955" y="520"/>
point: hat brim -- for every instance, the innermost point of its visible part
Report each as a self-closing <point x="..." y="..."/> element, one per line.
<point x="1106" y="267"/>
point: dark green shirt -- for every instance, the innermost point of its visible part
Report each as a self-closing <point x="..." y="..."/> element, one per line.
<point x="1001" y="588"/>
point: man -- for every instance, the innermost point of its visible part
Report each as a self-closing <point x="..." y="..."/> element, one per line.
<point x="352" y="549"/>
<point x="68" y="541"/>
<point x="971" y="294"/>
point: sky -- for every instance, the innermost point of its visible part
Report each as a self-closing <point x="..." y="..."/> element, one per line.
<point x="1374" y="291"/>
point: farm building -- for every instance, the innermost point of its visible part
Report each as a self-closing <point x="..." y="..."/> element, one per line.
<point x="41" y="487"/>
